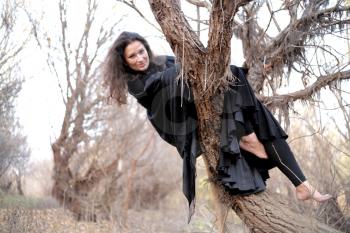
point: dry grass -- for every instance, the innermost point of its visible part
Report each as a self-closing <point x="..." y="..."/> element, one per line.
<point x="20" y="220"/>
<point x="46" y="221"/>
<point x="20" y="214"/>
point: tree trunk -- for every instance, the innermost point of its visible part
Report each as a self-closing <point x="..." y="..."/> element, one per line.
<point x="207" y="71"/>
<point x="19" y="184"/>
<point x="81" y="193"/>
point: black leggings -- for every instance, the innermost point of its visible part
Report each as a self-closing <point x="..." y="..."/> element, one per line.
<point x="279" y="152"/>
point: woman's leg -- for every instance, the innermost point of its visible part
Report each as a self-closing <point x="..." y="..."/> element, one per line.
<point x="279" y="152"/>
<point x="248" y="140"/>
<point x="251" y="143"/>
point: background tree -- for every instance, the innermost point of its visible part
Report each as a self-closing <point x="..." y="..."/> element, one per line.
<point x="84" y="174"/>
<point x="101" y="150"/>
<point x="318" y="143"/>
<point x="14" y="153"/>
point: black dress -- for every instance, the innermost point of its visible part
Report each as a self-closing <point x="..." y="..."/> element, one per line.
<point x="171" y="110"/>
<point x="239" y="171"/>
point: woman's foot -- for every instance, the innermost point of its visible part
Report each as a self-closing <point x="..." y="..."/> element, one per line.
<point x="252" y="144"/>
<point x="305" y="191"/>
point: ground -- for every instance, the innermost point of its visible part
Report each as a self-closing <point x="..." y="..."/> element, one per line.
<point x="58" y="220"/>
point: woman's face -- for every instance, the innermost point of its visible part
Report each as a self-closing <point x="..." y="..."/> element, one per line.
<point x="136" y="56"/>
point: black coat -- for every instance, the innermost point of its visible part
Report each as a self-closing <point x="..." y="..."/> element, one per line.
<point x="171" y="110"/>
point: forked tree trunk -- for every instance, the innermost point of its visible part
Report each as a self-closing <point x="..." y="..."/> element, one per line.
<point x="206" y="68"/>
<point x="80" y="195"/>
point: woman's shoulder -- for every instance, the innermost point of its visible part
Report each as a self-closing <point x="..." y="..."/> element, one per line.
<point x="238" y="71"/>
<point x="170" y="60"/>
<point x="165" y="60"/>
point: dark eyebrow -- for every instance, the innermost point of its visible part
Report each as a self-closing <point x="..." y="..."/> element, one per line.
<point x="139" y="50"/>
<point x="133" y="54"/>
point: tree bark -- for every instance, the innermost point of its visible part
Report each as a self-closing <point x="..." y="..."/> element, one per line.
<point x="207" y="69"/>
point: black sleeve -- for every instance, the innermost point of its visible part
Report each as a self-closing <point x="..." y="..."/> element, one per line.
<point x="161" y="79"/>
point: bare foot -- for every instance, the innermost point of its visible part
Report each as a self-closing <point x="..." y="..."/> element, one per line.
<point x="305" y="191"/>
<point x="252" y="144"/>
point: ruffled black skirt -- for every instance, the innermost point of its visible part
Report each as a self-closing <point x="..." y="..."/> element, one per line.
<point x="239" y="171"/>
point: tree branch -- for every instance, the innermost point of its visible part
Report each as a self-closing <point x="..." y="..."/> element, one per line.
<point x="132" y="5"/>
<point x="201" y="3"/>
<point x="181" y="37"/>
<point x="272" y="13"/>
<point x="278" y="51"/>
<point x="323" y="81"/>
<point x="219" y="43"/>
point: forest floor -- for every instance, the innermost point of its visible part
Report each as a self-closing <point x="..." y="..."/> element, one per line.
<point x="18" y="220"/>
<point x="54" y="219"/>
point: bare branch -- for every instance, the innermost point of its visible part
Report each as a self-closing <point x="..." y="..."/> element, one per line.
<point x="63" y="20"/>
<point x="272" y="13"/>
<point x="201" y="3"/>
<point x="219" y="41"/>
<point x="323" y="81"/>
<point x="201" y="21"/>
<point x="277" y="51"/>
<point x="169" y="13"/>
<point x="346" y="114"/>
<point x="132" y="5"/>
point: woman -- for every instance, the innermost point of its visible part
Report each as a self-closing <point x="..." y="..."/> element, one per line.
<point x="249" y="132"/>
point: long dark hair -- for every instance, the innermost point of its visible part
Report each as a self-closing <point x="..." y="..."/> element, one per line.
<point x="116" y="71"/>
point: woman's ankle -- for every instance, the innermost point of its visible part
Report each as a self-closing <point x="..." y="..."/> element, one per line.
<point x="306" y="191"/>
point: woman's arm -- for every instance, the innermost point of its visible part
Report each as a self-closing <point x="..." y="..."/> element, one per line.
<point x="162" y="79"/>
